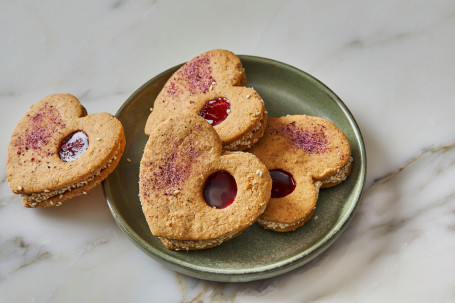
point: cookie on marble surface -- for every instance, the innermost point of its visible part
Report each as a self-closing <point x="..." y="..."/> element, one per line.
<point x="193" y="195"/>
<point x="57" y="152"/>
<point x="212" y="85"/>
<point x="302" y="154"/>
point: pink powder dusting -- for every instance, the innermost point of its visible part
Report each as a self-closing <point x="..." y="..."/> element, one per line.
<point x="192" y="152"/>
<point x="40" y="129"/>
<point x="198" y="75"/>
<point x="170" y="173"/>
<point x="172" y="89"/>
<point x="175" y="169"/>
<point x="311" y="141"/>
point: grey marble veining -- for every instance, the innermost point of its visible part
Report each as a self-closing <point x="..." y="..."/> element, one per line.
<point x="391" y="62"/>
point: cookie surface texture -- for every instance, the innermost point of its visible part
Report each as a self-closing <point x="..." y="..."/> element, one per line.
<point x="314" y="152"/>
<point x="178" y="158"/>
<point x="214" y="75"/>
<point x="45" y="167"/>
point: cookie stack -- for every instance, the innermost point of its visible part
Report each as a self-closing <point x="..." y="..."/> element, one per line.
<point x="214" y="163"/>
<point x="57" y="152"/>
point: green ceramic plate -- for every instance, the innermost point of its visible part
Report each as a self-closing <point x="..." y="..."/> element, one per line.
<point x="257" y="253"/>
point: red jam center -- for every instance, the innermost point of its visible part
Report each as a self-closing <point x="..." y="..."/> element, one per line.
<point x="282" y="183"/>
<point x="220" y="189"/>
<point x="216" y="110"/>
<point x="73" y="146"/>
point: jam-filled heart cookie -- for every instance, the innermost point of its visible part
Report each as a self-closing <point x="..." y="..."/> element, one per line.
<point x="193" y="196"/>
<point x="302" y="154"/>
<point x="211" y="85"/>
<point x="237" y="113"/>
<point x="213" y="68"/>
<point x="57" y="152"/>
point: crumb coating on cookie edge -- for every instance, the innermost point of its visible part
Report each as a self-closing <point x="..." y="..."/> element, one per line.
<point x="46" y="195"/>
<point x="249" y="138"/>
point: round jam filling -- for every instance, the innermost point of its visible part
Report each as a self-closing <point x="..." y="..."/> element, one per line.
<point x="216" y="111"/>
<point x="220" y="189"/>
<point x="282" y="183"/>
<point x="73" y="146"/>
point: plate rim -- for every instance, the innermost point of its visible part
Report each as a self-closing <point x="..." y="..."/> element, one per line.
<point x="271" y="270"/>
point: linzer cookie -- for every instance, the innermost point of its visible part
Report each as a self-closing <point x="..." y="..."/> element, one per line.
<point x="302" y="154"/>
<point x="194" y="196"/>
<point x="212" y="86"/>
<point x="57" y="152"/>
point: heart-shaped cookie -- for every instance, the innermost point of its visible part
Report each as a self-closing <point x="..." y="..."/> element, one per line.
<point x="216" y="67"/>
<point x="57" y="152"/>
<point x="212" y="85"/>
<point x="193" y="196"/>
<point x="237" y="113"/>
<point x="302" y="154"/>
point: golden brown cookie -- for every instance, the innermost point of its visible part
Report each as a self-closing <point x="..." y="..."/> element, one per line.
<point x="213" y="68"/>
<point x="302" y="154"/>
<point x="211" y="85"/>
<point x="57" y="152"/>
<point x="193" y="196"/>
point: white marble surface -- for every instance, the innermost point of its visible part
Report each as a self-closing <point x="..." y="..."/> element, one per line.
<point x="391" y="62"/>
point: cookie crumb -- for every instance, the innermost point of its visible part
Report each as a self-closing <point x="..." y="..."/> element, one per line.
<point x="316" y="217"/>
<point x="151" y="108"/>
<point x="259" y="172"/>
<point x="128" y="160"/>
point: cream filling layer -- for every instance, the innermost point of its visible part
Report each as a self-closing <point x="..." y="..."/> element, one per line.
<point x="341" y="174"/>
<point x="198" y="244"/>
<point x="47" y="194"/>
<point x="246" y="140"/>
<point x="278" y="225"/>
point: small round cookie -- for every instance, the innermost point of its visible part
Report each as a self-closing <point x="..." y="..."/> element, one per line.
<point x="57" y="152"/>
<point x="302" y="154"/>
<point x="193" y="196"/>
